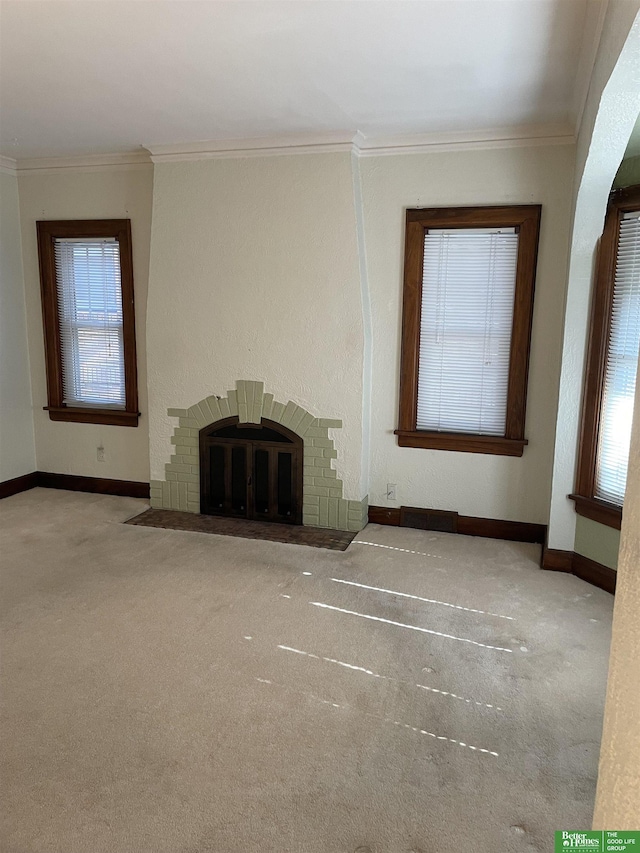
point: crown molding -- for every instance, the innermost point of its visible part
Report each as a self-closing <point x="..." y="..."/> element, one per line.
<point x="84" y="163"/>
<point x="7" y="165"/>
<point x="512" y="137"/>
<point x="363" y="146"/>
<point x="278" y="146"/>
<point x="265" y="146"/>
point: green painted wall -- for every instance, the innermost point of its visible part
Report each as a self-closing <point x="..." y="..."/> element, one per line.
<point x="597" y="541"/>
<point x="628" y="174"/>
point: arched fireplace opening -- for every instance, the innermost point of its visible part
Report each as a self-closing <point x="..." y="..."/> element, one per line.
<point x="251" y="471"/>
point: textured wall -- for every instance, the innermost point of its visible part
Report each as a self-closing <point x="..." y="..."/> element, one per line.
<point x="473" y="484"/>
<point x="254" y="275"/>
<point x="17" y="447"/>
<point x="70" y="448"/>
<point x="618" y="794"/>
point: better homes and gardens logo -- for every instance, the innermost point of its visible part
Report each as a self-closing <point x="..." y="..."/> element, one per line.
<point x="598" y="841"/>
<point x="580" y="840"/>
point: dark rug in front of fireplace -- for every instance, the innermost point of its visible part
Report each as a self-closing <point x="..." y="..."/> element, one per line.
<point x="293" y="534"/>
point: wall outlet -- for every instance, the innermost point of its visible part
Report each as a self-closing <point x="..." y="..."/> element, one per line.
<point x="391" y="492"/>
<point x="100" y="453"/>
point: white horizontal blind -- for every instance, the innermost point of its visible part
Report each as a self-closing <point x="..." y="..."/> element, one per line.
<point x="90" y="318"/>
<point x="614" y="436"/>
<point x="468" y="291"/>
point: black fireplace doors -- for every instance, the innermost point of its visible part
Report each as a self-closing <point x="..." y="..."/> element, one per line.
<point x="251" y="471"/>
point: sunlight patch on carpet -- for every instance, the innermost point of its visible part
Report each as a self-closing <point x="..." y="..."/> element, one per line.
<point x="409" y="627"/>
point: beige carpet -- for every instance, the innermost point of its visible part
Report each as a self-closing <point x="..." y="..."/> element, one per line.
<point x="173" y="691"/>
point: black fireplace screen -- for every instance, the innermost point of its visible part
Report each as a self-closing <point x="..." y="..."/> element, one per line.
<point x="251" y="471"/>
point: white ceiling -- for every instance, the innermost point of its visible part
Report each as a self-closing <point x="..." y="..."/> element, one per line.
<point x="92" y="77"/>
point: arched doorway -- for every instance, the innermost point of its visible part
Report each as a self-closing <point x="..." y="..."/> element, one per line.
<point x="251" y="471"/>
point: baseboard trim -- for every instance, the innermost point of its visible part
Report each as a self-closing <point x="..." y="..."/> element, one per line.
<point x="595" y="573"/>
<point x="554" y="560"/>
<point x="384" y="515"/>
<point x="494" y="528"/>
<point x="582" y="567"/>
<point x="98" y="485"/>
<point x="74" y="483"/>
<point x="468" y="525"/>
<point x="18" y="484"/>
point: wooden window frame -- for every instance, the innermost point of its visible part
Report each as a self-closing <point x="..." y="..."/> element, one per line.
<point x="526" y="220"/>
<point x="586" y="504"/>
<point x="48" y="231"/>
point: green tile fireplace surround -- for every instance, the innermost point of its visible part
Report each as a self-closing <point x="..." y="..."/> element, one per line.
<point x="323" y="504"/>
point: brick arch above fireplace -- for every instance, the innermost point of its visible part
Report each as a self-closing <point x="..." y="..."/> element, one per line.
<point x="323" y="503"/>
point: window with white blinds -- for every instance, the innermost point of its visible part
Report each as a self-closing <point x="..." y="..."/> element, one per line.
<point x="469" y="280"/>
<point x="88" y="312"/>
<point x="621" y="362"/>
<point x="89" y="299"/>
<point x="468" y="290"/>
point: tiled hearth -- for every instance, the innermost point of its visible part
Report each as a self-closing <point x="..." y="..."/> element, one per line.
<point x="323" y="503"/>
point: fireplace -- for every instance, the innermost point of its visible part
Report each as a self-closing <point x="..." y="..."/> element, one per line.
<point x="251" y="471"/>
<point x="250" y="456"/>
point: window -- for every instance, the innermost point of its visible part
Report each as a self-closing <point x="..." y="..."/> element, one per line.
<point x="467" y="311"/>
<point x="612" y="361"/>
<point x="86" y="277"/>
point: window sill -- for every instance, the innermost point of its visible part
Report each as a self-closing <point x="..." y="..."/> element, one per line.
<point x="462" y="442"/>
<point x="114" y="417"/>
<point x="597" y="510"/>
